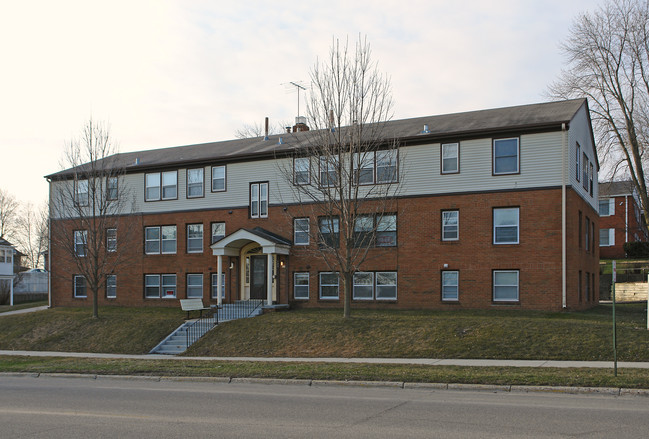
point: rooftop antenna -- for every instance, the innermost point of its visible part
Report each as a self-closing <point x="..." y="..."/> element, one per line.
<point x="299" y="86"/>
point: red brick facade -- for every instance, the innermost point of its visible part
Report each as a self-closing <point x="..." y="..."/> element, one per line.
<point x="419" y="257"/>
<point x="624" y="220"/>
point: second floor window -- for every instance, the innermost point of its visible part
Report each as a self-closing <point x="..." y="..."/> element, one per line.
<point x="450" y="225"/>
<point x="301" y="231"/>
<point x="161" y="185"/>
<point x="329" y="231"/>
<point x="81" y="192"/>
<point x="450" y="158"/>
<point x="194" y="238"/>
<point x="386" y="166"/>
<point x="505" y="222"/>
<point x="159" y="238"/>
<point x="195" y="182"/>
<point x="258" y="200"/>
<point x="80" y="242"/>
<point x="301" y="170"/>
<point x="218" y="231"/>
<point x="111" y="188"/>
<point x="505" y="156"/>
<point x="111" y="240"/>
<point x="218" y="178"/>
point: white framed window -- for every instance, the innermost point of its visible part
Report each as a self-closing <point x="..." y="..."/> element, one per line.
<point x="111" y="240"/>
<point x="450" y="285"/>
<point x="301" y="231"/>
<point x="590" y="179"/>
<point x="168" y="286"/>
<point x="80" y="289"/>
<point x="81" y="192"/>
<point x="450" y="225"/>
<point x="170" y="185"/>
<point x="505" y="286"/>
<point x="152" y="186"/>
<point x="215" y="286"/>
<point x="194" y="285"/>
<point x="195" y="182"/>
<point x="584" y="171"/>
<point x="364" y="167"/>
<point x="258" y="200"/>
<point x="218" y="231"/>
<point x="328" y="171"/>
<point x="152" y="285"/>
<point x="111" y="188"/>
<point x="111" y="286"/>
<point x="329" y="286"/>
<point x="577" y="163"/>
<point x="3" y="259"/>
<point x="329" y="231"/>
<point x="450" y="158"/>
<point x="363" y="227"/>
<point x="363" y="286"/>
<point x="506" y="221"/>
<point x="81" y="242"/>
<point x="386" y="230"/>
<point x="587" y="235"/>
<point x="152" y="240"/>
<point x="168" y="235"/>
<point x="218" y="178"/>
<point x="606" y="237"/>
<point x="386" y="285"/>
<point x="301" y="170"/>
<point x="607" y="207"/>
<point x="505" y="156"/>
<point x="194" y="238"/>
<point x="160" y="286"/>
<point x="157" y="238"/>
<point x="386" y="166"/>
<point x="301" y="286"/>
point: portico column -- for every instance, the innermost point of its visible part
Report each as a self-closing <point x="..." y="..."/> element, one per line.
<point x="269" y="280"/>
<point x="11" y="291"/>
<point x="219" y="260"/>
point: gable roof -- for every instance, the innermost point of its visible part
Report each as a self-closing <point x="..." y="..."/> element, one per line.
<point x="548" y="115"/>
<point x="613" y="188"/>
<point x="5" y="242"/>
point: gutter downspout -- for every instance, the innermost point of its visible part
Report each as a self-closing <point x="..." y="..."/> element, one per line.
<point x="626" y="218"/>
<point x="49" y="247"/>
<point x="563" y="216"/>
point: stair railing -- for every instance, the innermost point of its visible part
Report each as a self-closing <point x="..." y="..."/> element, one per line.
<point x="198" y="328"/>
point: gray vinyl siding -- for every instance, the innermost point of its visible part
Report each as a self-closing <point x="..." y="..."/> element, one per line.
<point x="580" y="132"/>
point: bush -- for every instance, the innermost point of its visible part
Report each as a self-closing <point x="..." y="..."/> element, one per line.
<point x="636" y="249"/>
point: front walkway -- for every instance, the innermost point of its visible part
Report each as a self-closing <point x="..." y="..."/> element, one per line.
<point x="417" y="361"/>
<point x="23" y="311"/>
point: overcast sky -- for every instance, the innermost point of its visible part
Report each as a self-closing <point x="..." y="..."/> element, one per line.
<point x="168" y="73"/>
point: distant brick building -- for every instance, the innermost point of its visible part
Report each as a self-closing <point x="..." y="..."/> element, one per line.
<point x="620" y="218"/>
<point x="498" y="208"/>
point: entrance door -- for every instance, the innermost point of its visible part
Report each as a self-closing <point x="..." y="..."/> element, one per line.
<point x="258" y="277"/>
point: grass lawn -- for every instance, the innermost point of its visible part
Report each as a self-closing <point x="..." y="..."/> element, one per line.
<point x="497" y="334"/>
<point x="7" y="308"/>
<point x="118" y="330"/>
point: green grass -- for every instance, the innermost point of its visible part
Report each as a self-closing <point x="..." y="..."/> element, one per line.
<point x="118" y="330"/>
<point x="496" y="334"/>
<point x="7" y="308"/>
<point x="627" y="378"/>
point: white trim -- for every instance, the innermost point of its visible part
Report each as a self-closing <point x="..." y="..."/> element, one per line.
<point x="232" y="244"/>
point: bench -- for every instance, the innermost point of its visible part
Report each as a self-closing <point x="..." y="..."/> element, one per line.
<point x="193" y="305"/>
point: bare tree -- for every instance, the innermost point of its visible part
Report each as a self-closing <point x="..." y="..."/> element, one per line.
<point x="608" y="62"/>
<point x="8" y="214"/>
<point x="90" y="206"/>
<point x="32" y="234"/>
<point x="248" y="131"/>
<point x="344" y="172"/>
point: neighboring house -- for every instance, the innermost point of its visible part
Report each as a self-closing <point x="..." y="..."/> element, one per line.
<point x="620" y="218"/>
<point x="497" y="209"/>
<point x="7" y="268"/>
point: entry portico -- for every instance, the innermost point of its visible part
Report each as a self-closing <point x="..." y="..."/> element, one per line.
<point x="236" y="244"/>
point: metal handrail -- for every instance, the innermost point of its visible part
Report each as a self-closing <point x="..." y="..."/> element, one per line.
<point x="198" y="328"/>
<point x="239" y="310"/>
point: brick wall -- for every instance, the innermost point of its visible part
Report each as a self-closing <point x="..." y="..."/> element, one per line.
<point x="625" y="208"/>
<point x="419" y="258"/>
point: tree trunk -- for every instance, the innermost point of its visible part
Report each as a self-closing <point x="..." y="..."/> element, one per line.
<point x="95" y="307"/>
<point x="347" y="303"/>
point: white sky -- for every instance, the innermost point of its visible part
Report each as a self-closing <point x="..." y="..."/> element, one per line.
<point x="167" y="73"/>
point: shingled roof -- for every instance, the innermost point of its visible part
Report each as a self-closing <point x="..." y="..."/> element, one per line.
<point x="483" y="122"/>
<point x="616" y="188"/>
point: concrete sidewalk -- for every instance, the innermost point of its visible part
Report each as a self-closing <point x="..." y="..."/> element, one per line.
<point x="24" y="311"/>
<point x="414" y="361"/>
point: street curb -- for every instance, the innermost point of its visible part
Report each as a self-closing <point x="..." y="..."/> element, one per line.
<point x="224" y="380"/>
<point x="615" y="391"/>
<point x="281" y="381"/>
<point x="68" y="375"/>
<point x="393" y="384"/>
<point x="480" y="387"/>
<point x="129" y="377"/>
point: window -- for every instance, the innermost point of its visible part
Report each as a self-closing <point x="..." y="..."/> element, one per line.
<point x="301" y="170"/>
<point x="80" y="286"/>
<point x="450" y="282"/>
<point x="505" y="156"/>
<point x="579" y="287"/>
<point x="154" y="289"/>
<point x="111" y="188"/>
<point x="363" y="286"/>
<point x="364" y="168"/>
<point x="111" y="286"/>
<point x="329" y="286"/>
<point x="81" y="192"/>
<point x="606" y="237"/>
<point x="363" y="227"/>
<point x="586" y="235"/>
<point x="329" y="231"/>
<point x="111" y="240"/>
<point x="386" y="166"/>
<point x="506" y="225"/>
<point x="607" y="207"/>
<point x="577" y="158"/>
<point x="258" y="200"/>
<point x="301" y="286"/>
<point x="215" y="286"/>
<point x="328" y="171"/>
<point x="450" y="158"/>
<point x="587" y="287"/>
<point x="579" y="229"/>
<point x="590" y="178"/>
<point x="379" y="231"/>
<point x="301" y="231"/>
<point x="381" y="285"/>
<point x="584" y="171"/>
<point x="218" y="232"/>
<point x="505" y="286"/>
<point x="194" y="238"/>
<point x="386" y="231"/>
<point x="81" y="242"/>
<point x="159" y="237"/>
<point x="152" y="186"/>
<point x="195" y="181"/>
<point x="218" y="178"/>
<point x="170" y="185"/>
<point x="195" y="285"/>
<point x="450" y="225"/>
<point x="386" y="285"/>
<point x="2" y="255"/>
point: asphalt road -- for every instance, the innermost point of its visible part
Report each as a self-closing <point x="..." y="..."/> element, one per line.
<point x="52" y="407"/>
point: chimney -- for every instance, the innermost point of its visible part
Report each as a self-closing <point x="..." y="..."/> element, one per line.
<point x="266" y="123"/>
<point x="300" y="124"/>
